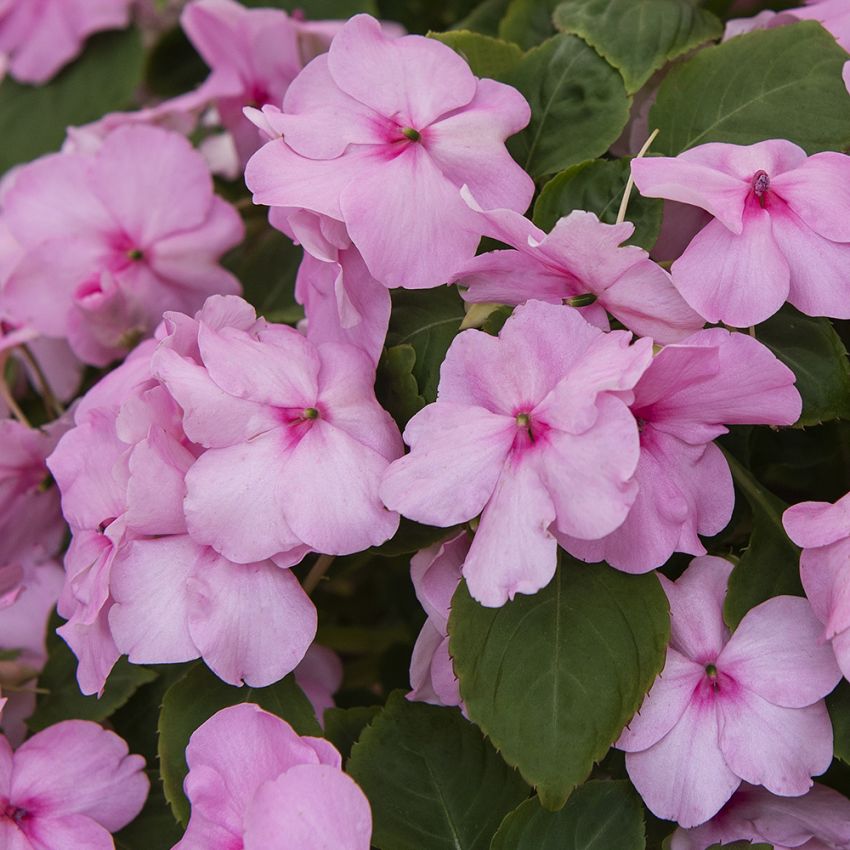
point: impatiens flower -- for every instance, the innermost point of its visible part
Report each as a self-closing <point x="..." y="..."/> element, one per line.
<point x="30" y="587"/>
<point x="341" y="299"/>
<point x="823" y="530"/>
<point x="136" y="581"/>
<point x="683" y="401"/>
<point x="833" y="14"/>
<point x="436" y="573"/>
<point x="254" y="55"/>
<point x="255" y="784"/>
<point x="68" y="786"/>
<point x="381" y="134"/>
<point x="779" y="231"/>
<point x="296" y="441"/>
<point x="819" y="820"/>
<point x="111" y="239"/>
<point x="38" y="37"/>
<point x="581" y="263"/>
<point x="530" y="431"/>
<point x="319" y="675"/>
<point x="726" y="709"/>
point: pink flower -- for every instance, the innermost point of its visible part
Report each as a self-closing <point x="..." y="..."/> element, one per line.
<point x="68" y="786"/>
<point x="579" y="262"/>
<point x="683" y="401"/>
<point x="30" y="587"/>
<point x="778" y="229"/>
<point x="833" y="14"/>
<point x="381" y="134"/>
<point x="38" y="37"/>
<point x="111" y="239"/>
<point x="254" y="55"/>
<point x="296" y="441"/>
<point x="342" y="301"/>
<point x="819" y="820"/>
<point x="823" y="530"/>
<point x="726" y="709"/>
<point x="319" y="675"/>
<point x="529" y="430"/>
<point x="122" y="472"/>
<point x="254" y="783"/>
<point x="436" y="573"/>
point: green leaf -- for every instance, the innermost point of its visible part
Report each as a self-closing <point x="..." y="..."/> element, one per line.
<point x="33" y="119"/>
<point x="838" y="703"/>
<point x="812" y="349"/>
<point x="638" y="38"/>
<point x="195" y="698"/>
<point x="343" y="726"/>
<point x="174" y="66"/>
<point x="770" y="565"/>
<point x="487" y="57"/>
<point x="598" y="816"/>
<point x="427" y="320"/>
<point x="528" y="22"/>
<point x="419" y="16"/>
<point x="578" y="106"/>
<point x="553" y="678"/>
<point x="433" y="782"/>
<point x="395" y="384"/>
<point x="411" y="537"/>
<point x="62" y="699"/>
<point x="597" y="186"/>
<point x="315" y="10"/>
<point x="484" y="18"/>
<point x="783" y="83"/>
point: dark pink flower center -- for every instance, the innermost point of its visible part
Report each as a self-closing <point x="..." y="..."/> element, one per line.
<point x="13" y="812"/>
<point x="529" y="432"/>
<point x="761" y="183"/>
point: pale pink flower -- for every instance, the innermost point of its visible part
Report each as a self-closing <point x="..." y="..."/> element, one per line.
<point x="436" y="573"/>
<point x="131" y="561"/>
<point x="530" y="431"/>
<point x="684" y="401"/>
<point x="68" y="786"/>
<point x="38" y="37"/>
<point x="726" y="709"/>
<point x="580" y="262"/>
<point x="296" y="441"/>
<point x="111" y="239"/>
<point x="254" y="783"/>
<point x="819" y="820"/>
<point x="342" y="301"/>
<point x="30" y="587"/>
<point x="779" y="231"/>
<point x="319" y="675"/>
<point x="833" y="14"/>
<point x="823" y="530"/>
<point x="381" y="134"/>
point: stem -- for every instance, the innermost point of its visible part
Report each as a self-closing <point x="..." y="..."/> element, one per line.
<point x="624" y="204"/>
<point x="6" y="395"/>
<point x="51" y="403"/>
<point x="317" y="571"/>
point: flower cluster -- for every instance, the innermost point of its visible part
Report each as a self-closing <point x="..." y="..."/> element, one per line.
<point x="568" y="420"/>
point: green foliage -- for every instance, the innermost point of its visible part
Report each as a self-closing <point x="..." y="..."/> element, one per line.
<point x="426" y="320"/>
<point x="433" y="782"/>
<point x="60" y="697"/>
<point x="553" y="678"/>
<point x="343" y="726"/>
<point x="316" y="10"/>
<point x="838" y="703"/>
<point x="598" y="816"/>
<point x="597" y="186"/>
<point x="411" y="537"/>
<point x="484" y="18"/>
<point x="154" y="828"/>
<point x="196" y="697"/>
<point x="769" y="566"/>
<point x="638" y="38"/>
<point x="814" y="351"/>
<point x="33" y="119"/>
<point x="528" y="22"/>
<point x="578" y="106"/>
<point x="783" y="83"/>
<point x="424" y="15"/>
<point x="395" y="384"/>
<point x="174" y="66"/>
<point x="487" y="56"/>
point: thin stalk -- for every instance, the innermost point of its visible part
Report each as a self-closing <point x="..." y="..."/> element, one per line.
<point x="630" y="183"/>
<point x="317" y="571"/>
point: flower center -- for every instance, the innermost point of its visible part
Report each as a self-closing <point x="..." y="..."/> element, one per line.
<point x="310" y="413"/>
<point x="584" y="300"/>
<point x="135" y="255"/>
<point x="711" y="672"/>
<point x="13" y="812"/>
<point x="761" y="183"/>
<point x="410" y="133"/>
<point x="523" y="420"/>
